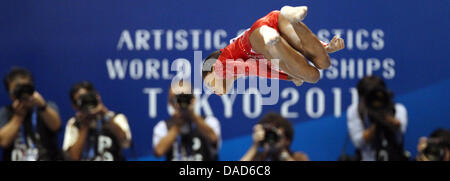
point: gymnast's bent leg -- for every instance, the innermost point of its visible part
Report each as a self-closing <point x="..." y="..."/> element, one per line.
<point x="300" y="37"/>
<point x="267" y="41"/>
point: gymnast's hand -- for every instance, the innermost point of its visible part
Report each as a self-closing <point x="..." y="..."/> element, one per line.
<point x="335" y="44"/>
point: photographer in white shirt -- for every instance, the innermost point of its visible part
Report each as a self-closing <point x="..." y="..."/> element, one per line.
<point x="376" y="123"/>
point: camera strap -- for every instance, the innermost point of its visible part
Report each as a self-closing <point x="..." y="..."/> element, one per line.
<point x="99" y="126"/>
<point x="34" y="121"/>
<point x="30" y="138"/>
<point x="91" y="149"/>
<point x="92" y="140"/>
<point x="89" y="152"/>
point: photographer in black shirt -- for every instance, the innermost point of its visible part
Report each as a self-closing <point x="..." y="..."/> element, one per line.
<point x="186" y="136"/>
<point x="272" y="138"/>
<point x="28" y="127"/>
<point x="95" y="133"/>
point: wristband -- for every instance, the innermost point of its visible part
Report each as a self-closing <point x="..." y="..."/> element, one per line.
<point x="42" y="108"/>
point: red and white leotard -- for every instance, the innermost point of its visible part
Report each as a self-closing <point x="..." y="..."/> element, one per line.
<point x="240" y="48"/>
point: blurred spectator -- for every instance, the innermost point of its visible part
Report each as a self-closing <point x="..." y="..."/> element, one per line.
<point x="94" y="133"/>
<point x="186" y="135"/>
<point x="434" y="148"/>
<point x="29" y="126"/>
<point x="377" y="124"/>
<point x="274" y="135"/>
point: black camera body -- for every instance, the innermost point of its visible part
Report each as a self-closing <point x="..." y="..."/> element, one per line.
<point x="435" y="150"/>
<point x="183" y="100"/>
<point x="87" y="102"/>
<point x="271" y="135"/>
<point x="22" y="91"/>
<point x="379" y="101"/>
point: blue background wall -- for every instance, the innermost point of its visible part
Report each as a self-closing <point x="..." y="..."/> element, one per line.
<point x="63" y="42"/>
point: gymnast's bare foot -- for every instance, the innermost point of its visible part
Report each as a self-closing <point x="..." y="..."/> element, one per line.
<point x="297" y="82"/>
<point x="294" y="14"/>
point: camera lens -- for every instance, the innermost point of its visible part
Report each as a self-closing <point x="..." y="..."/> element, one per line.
<point x="380" y="99"/>
<point x="88" y="101"/>
<point x="22" y="91"/>
<point x="434" y="151"/>
<point x="184" y="100"/>
<point x="271" y="135"/>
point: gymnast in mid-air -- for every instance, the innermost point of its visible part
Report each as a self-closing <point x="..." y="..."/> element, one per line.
<point x="277" y="46"/>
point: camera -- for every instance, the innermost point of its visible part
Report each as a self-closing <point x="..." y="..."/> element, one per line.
<point x="271" y="135"/>
<point x="379" y="101"/>
<point x="435" y="150"/>
<point x="183" y="100"/>
<point x="87" y="102"/>
<point x="22" y="91"/>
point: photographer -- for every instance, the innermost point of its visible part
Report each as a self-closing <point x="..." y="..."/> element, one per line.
<point x="186" y="136"/>
<point x="94" y="133"/>
<point x="377" y="124"/>
<point x="434" y="148"/>
<point x="272" y="138"/>
<point x="28" y="127"/>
